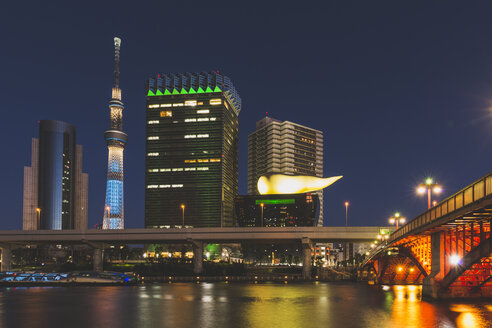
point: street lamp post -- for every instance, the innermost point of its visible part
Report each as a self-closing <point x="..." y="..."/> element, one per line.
<point x="346" y="213"/>
<point x="262" y="205"/>
<point x="396" y="218"/>
<point x="429" y="186"/>
<point x="183" y="209"/>
<point x="38" y="222"/>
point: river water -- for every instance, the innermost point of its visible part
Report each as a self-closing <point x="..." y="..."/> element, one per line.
<point x="235" y="305"/>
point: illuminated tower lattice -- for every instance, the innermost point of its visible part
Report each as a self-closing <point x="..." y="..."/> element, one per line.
<point x="116" y="140"/>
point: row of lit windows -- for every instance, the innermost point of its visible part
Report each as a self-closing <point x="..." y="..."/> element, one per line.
<point x="206" y="160"/>
<point x="188" y="103"/>
<point x="179" y="169"/>
<point x="193" y="136"/>
<point x="307" y="140"/>
<point x="165" y="186"/>
<point x="169" y="113"/>
<point x="201" y="119"/>
<point x="153" y="122"/>
<point x="153" y="138"/>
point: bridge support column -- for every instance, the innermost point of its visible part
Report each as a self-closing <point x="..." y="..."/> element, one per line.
<point x="430" y="284"/>
<point x="6" y="258"/>
<point x="97" y="259"/>
<point x="348" y="251"/>
<point x="197" y="256"/>
<point x="306" y="258"/>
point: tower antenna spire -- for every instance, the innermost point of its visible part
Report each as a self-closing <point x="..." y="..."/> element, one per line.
<point x="117" y="44"/>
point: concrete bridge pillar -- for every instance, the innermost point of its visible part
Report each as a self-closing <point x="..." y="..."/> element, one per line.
<point x="306" y="258"/>
<point x="348" y="251"/>
<point x="97" y="259"/>
<point x="197" y="256"/>
<point x="6" y="258"/>
<point x="430" y="284"/>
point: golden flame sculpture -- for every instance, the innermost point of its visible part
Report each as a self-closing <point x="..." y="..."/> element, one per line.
<point x="292" y="184"/>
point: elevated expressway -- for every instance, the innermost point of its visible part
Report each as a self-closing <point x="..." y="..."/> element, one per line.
<point x="99" y="239"/>
<point x="447" y="248"/>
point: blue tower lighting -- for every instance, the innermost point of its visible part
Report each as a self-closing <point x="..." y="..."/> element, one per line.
<point x="115" y="139"/>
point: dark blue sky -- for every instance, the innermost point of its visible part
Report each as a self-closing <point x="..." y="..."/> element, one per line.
<point x="401" y="89"/>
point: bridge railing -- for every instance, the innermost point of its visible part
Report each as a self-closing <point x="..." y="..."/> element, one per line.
<point x="481" y="188"/>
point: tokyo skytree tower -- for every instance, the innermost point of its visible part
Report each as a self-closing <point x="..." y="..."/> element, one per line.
<point x="116" y="140"/>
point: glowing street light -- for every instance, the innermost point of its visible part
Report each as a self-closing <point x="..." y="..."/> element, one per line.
<point x="262" y="205"/>
<point x="183" y="209"/>
<point x="396" y="218"/>
<point x="455" y="260"/>
<point x="38" y="211"/>
<point x="429" y="186"/>
<point x="346" y="213"/>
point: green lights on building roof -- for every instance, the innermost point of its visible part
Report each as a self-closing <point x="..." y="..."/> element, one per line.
<point x="183" y="91"/>
<point x="274" y="201"/>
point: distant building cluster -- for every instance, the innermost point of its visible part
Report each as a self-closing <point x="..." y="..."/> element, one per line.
<point x="191" y="163"/>
<point x="55" y="189"/>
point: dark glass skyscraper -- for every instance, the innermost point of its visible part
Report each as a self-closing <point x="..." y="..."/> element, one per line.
<point x="191" y="150"/>
<point x="55" y="189"/>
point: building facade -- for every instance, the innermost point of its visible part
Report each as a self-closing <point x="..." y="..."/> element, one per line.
<point x="191" y="150"/>
<point x="113" y="217"/>
<point x="284" y="148"/>
<point x="295" y="210"/>
<point x="55" y="189"/>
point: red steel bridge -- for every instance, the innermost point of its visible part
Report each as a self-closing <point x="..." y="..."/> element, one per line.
<point x="447" y="249"/>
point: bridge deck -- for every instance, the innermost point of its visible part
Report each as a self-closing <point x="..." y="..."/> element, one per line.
<point x="142" y="236"/>
<point x="471" y="204"/>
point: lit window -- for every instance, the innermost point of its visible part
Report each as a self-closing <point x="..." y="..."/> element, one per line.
<point x="153" y="106"/>
<point x="178" y="105"/>
<point x="202" y="160"/>
<point x="190" y="103"/>
<point x="203" y="119"/>
<point x="213" y="119"/>
<point x="225" y="104"/>
<point x="153" y="138"/>
<point x="202" y="168"/>
<point x="165" y="170"/>
<point x="215" y="101"/>
<point x="151" y="186"/>
<point x="190" y="119"/>
<point x="190" y="160"/>
<point x="152" y="154"/>
<point x="154" y="170"/>
<point x="164" y="186"/>
<point x="177" y="186"/>
<point x="202" y="111"/>
<point x="188" y="136"/>
<point x="202" y="135"/>
<point x="200" y="103"/>
<point x="153" y="122"/>
<point x="177" y="169"/>
<point x="190" y="168"/>
<point x="215" y="160"/>
<point x="166" y="113"/>
<point x="166" y="105"/>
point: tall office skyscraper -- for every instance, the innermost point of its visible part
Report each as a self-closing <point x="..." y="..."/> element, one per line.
<point x="285" y="148"/>
<point x="115" y="139"/>
<point x="55" y="189"/>
<point x="192" y="150"/>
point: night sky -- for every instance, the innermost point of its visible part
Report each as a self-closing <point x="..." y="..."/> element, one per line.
<point x="401" y="89"/>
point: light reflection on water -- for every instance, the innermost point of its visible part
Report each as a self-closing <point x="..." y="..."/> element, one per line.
<point x="236" y="305"/>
